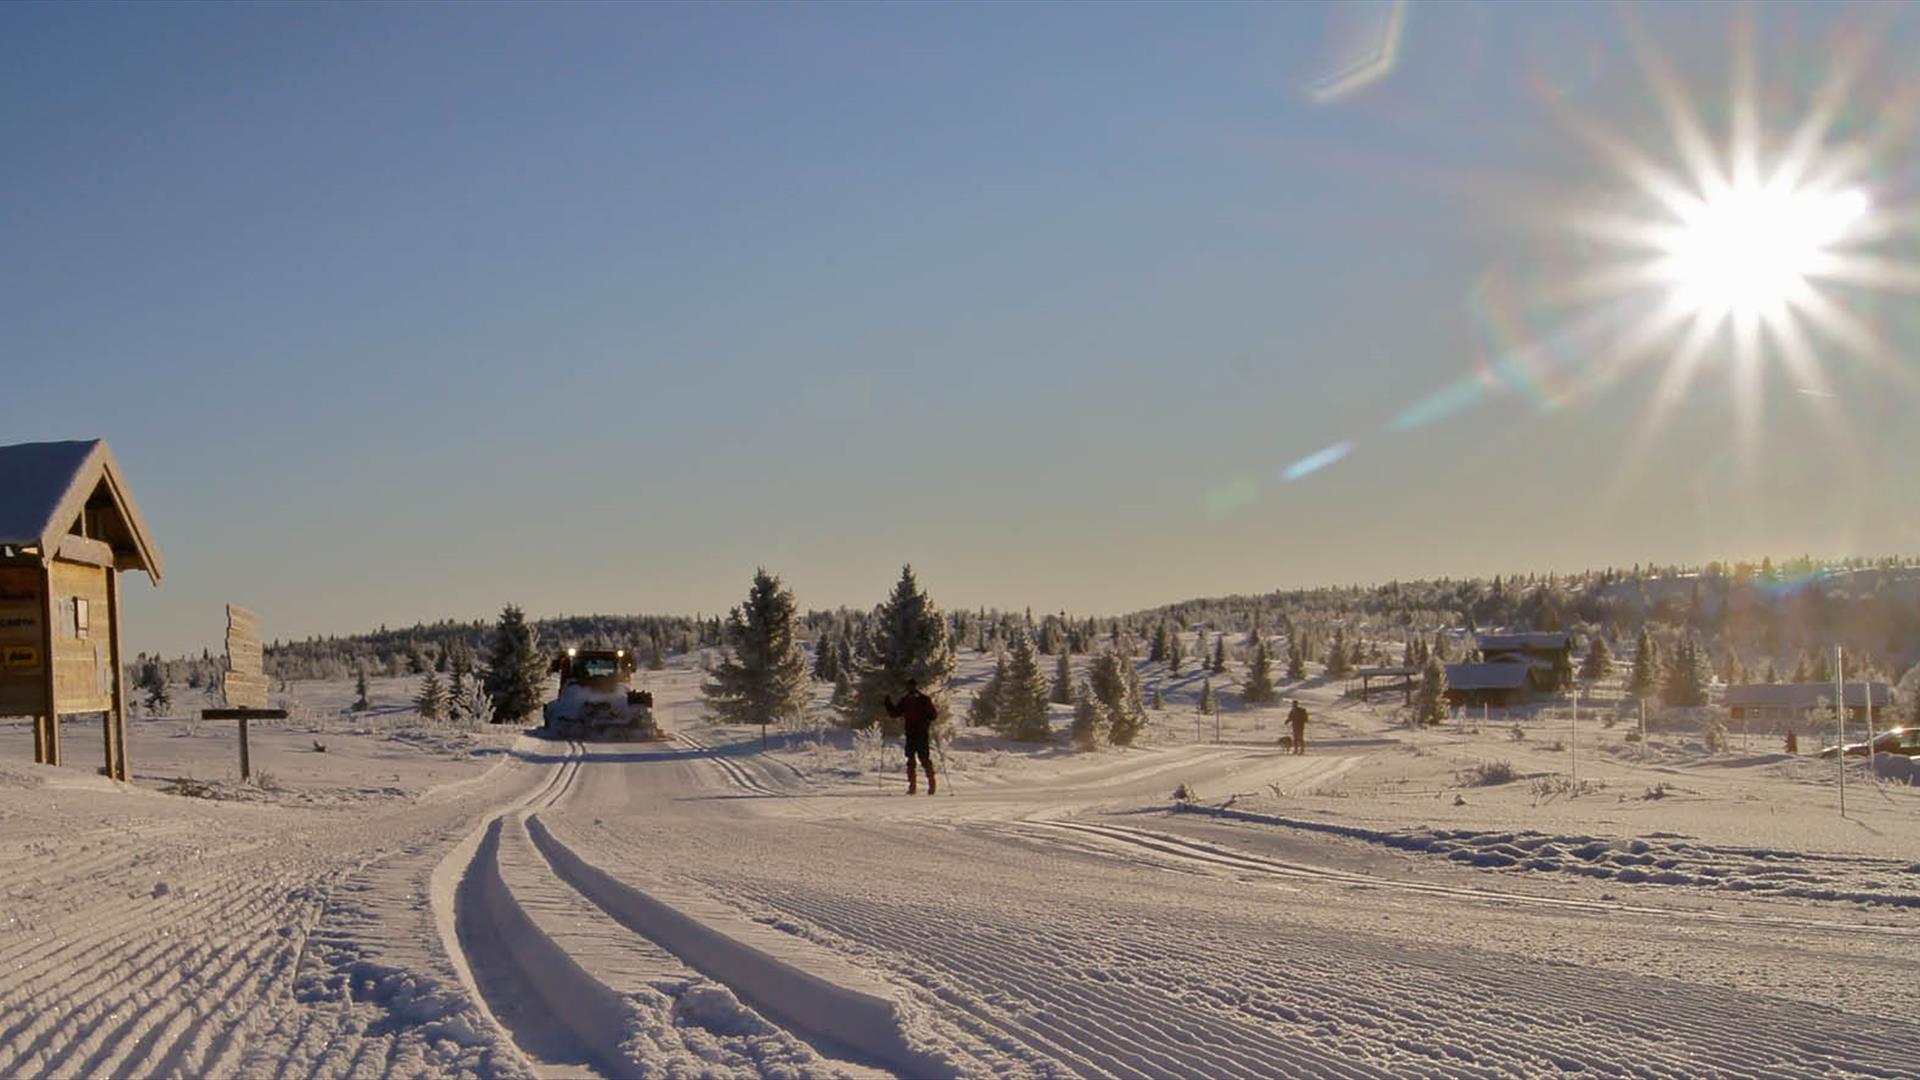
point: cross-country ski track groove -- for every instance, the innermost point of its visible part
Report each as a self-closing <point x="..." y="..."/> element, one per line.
<point x="1165" y="849"/>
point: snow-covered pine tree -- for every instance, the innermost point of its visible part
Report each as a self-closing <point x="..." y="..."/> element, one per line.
<point x="1598" y="663"/>
<point x="1258" y="689"/>
<point x="431" y="702"/>
<point x="1208" y="706"/>
<point x="1174" y="655"/>
<point x="1089" y="720"/>
<point x="360" y="702"/>
<point x="826" y="661"/>
<point x="1688" y="675"/>
<point x="906" y="638"/>
<point x="763" y="678"/>
<point x="1220" y="654"/>
<point x="1116" y="687"/>
<point x="1157" y="649"/>
<point x="1062" y="680"/>
<point x="1644" y="678"/>
<point x="1430" y="704"/>
<point x="153" y="680"/>
<point x="1296" y="660"/>
<point x="1256" y="628"/>
<point x="984" y="710"/>
<point x="1339" y="660"/>
<point x="515" y="675"/>
<point x="1023" y="693"/>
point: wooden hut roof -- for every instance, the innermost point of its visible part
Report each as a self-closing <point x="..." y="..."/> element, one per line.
<point x="45" y="488"/>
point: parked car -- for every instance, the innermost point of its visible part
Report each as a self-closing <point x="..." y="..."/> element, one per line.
<point x="1902" y="741"/>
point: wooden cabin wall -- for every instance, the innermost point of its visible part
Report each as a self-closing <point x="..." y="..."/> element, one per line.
<point x="82" y="665"/>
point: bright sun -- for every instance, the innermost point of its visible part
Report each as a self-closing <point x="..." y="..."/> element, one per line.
<point x="1748" y="251"/>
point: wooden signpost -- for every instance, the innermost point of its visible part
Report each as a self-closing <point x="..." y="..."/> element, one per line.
<point x="245" y="682"/>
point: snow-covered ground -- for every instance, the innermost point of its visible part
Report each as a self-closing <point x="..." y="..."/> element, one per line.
<point x="418" y="900"/>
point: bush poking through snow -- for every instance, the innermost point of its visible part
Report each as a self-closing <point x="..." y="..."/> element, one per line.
<point x="1657" y="791"/>
<point x="188" y="786"/>
<point x="319" y="747"/>
<point x="1518" y="734"/>
<point x="1714" y="734"/>
<point x="1548" y="788"/>
<point x="1184" y="795"/>
<point x="1486" y="774"/>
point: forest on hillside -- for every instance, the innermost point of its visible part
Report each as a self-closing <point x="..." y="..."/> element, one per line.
<point x="1762" y="621"/>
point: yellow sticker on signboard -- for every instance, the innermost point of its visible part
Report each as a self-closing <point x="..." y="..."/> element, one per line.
<point x="21" y="657"/>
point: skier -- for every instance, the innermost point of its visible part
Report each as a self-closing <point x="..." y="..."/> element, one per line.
<point x="1297" y="720"/>
<point x="916" y="712"/>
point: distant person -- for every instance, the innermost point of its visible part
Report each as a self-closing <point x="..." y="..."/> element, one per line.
<point x="916" y="713"/>
<point x="1793" y="742"/>
<point x="1297" y="722"/>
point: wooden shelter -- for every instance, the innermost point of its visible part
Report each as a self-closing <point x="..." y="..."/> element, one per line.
<point x="68" y="526"/>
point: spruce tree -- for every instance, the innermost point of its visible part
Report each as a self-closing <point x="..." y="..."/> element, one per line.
<point x="1645" y="675"/>
<point x="1022" y="709"/>
<point x="764" y="679"/>
<point x="1258" y="689"/>
<point x="1208" y="706"/>
<point x="431" y="703"/>
<point x="1116" y="688"/>
<point x="1220" y="654"/>
<point x="1687" y="674"/>
<point x="1174" y="656"/>
<point x="1157" y="649"/>
<point x="458" y="668"/>
<point x="1598" y="663"/>
<point x="1339" y="660"/>
<point x="360" y="702"/>
<point x="1089" y="728"/>
<point x="905" y="638"/>
<point x="515" y="675"/>
<point x="1430" y="704"/>
<point x="153" y="680"/>
<point x="825" y="661"/>
<point x="984" y="711"/>
<point x="1296" y="660"/>
<point x="1062" y="680"/>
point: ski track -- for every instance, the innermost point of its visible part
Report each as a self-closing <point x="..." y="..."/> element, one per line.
<point x="192" y="939"/>
<point x="1166" y="848"/>
<point x="189" y="938"/>
<point x="735" y="773"/>
<point x="1132" y="997"/>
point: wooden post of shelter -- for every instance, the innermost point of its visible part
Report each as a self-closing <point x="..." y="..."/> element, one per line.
<point x="245" y="682"/>
<point x="68" y="527"/>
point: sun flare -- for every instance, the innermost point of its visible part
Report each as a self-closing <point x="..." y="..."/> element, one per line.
<point x="1747" y="251"/>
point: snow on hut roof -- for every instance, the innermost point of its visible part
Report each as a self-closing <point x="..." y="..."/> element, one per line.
<point x="1802" y="695"/>
<point x="1503" y="642"/>
<point x="46" y="486"/>
<point x="1487" y="676"/>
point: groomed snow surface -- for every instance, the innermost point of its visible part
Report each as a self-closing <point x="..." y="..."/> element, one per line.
<point x="404" y="899"/>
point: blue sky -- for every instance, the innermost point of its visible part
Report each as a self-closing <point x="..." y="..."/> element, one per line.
<point x="395" y="313"/>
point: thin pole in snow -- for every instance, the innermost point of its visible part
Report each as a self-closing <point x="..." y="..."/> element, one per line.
<point x="1866" y="698"/>
<point x="1573" y="742"/>
<point x="1840" y="723"/>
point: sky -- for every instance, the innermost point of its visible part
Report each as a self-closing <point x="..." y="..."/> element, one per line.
<point x="395" y="313"/>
